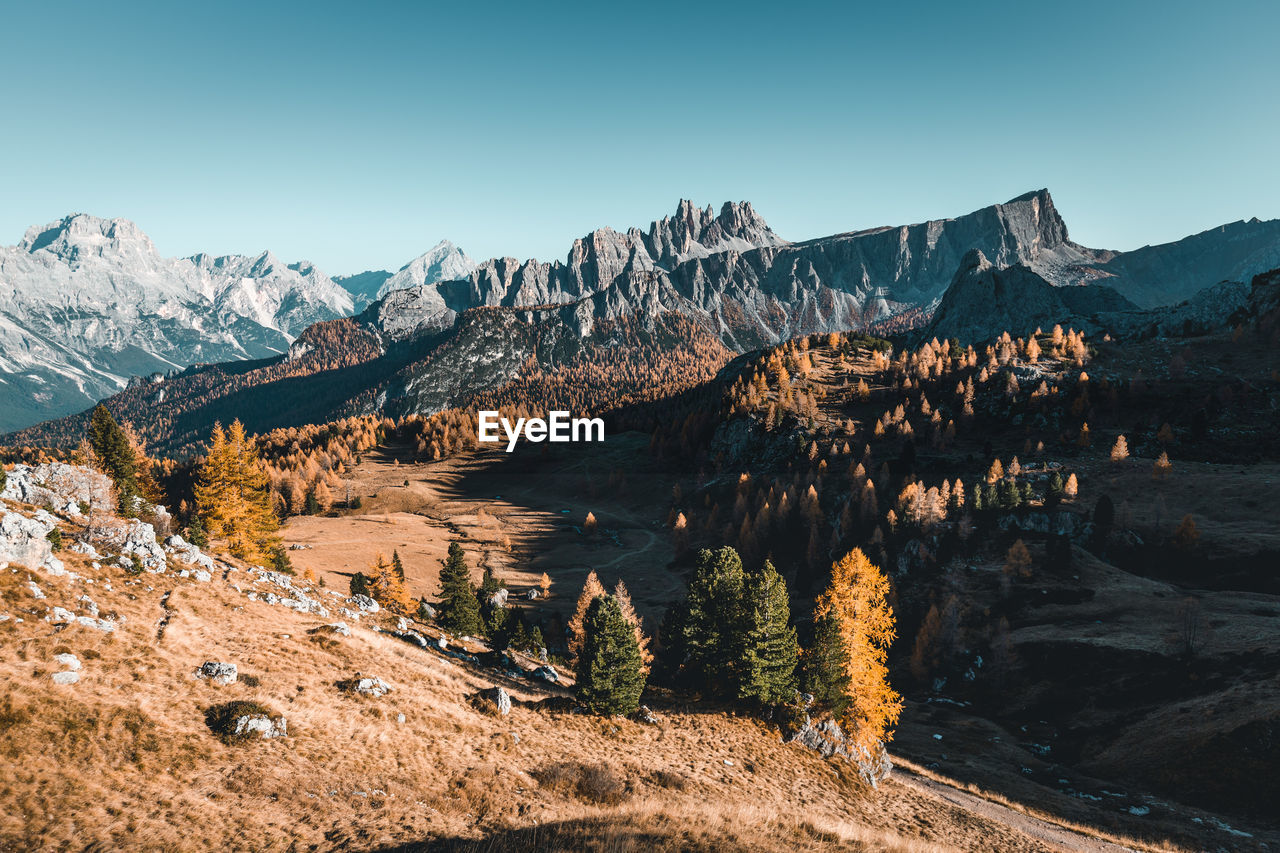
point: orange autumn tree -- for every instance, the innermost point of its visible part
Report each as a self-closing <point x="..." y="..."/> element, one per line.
<point x="233" y="495"/>
<point x="591" y="590"/>
<point x="856" y="602"/>
<point x="388" y="589"/>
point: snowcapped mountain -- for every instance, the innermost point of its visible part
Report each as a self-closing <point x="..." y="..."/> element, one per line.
<point x="87" y="303"/>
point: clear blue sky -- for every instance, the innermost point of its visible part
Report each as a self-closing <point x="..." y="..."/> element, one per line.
<point x="356" y="135"/>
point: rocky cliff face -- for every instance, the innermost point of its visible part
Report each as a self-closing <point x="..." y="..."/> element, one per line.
<point x="732" y="271"/>
<point x="86" y="303"/>
<point x="984" y="300"/>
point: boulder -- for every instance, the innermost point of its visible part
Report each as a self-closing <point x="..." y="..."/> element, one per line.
<point x="367" y="685"/>
<point x="499" y="598"/>
<point x="218" y="672"/>
<point x="261" y="725"/>
<point x="426" y="611"/>
<point x="60" y="615"/>
<point x="66" y="677"/>
<point x="411" y="637"/>
<point x="188" y="553"/>
<point x="22" y="540"/>
<point x="547" y="673"/>
<point x="337" y="629"/>
<point x="364" y="604"/>
<point x="68" y="662"/>
<point x="646" y="716"/>
<point x="500" y="699"/>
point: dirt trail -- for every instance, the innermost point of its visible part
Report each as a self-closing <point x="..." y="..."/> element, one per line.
<point x="1041" y="830"/>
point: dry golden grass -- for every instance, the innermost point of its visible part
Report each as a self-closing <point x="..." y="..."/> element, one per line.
<point x="124" y="758"/>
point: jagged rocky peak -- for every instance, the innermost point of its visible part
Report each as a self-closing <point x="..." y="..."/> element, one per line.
<point x="442" y="262"/>
<point x="697" y="232"/>
<point x="80" y="234"/>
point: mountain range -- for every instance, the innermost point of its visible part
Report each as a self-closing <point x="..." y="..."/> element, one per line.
<point x="88" y="303"/>
<point x="69" y="337"/>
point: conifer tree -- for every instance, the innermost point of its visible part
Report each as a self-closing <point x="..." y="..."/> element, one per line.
<point x="857" y="600"/>
<point x="118" y="459"/>
<point x="388" y="589"/>
<point x="591" y="590"/>
<point x="621" y="593"/>
<point x="769" y="649"/>
<point x="459" y="609"/>
<point x="396" y="565"/>
<point x="608" y="672"/>
<point x="233" y="495"/>
<point x="359" y="584"/>
<point x="713" y="619"/>
<point x="824" y="666"/>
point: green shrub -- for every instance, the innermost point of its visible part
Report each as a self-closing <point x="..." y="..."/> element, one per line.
<point x="55" y="538"/>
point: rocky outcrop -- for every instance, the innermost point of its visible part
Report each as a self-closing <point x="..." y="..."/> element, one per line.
<point x="22" y="540"/>
<point x="130" y="537"/>
<point x="495" y="699"/>
<point x="66" y="489"/>
<point x="829" y="740"/>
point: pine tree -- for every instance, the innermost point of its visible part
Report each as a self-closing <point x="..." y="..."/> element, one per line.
<point x="359" y="584"/>
<point x="608" y="672"/>
<point x="713" y="619"/>
<point x="621" y="593"/>
<point x="769" y="649"/>
<point x="117" y="458"/>
<point x="591" y="590"/>
<point x="856" y="599"/>
<point x="396" y="565"/>
<point x="824" y="666"/>
<point x="459" y="610"/>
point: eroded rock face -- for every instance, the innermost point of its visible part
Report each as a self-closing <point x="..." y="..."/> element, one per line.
<point x="63" y="487"/>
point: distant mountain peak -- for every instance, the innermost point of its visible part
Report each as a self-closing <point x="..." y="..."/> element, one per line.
<point x="442" y="262"/>
<point x="80" y="234"/>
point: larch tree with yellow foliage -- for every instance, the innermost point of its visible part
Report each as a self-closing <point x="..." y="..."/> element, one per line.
<point x="591" y="590"/>
<point x="856" y="604"/>
<point x="233" y="496"/>
<point x="388" y="589"/>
